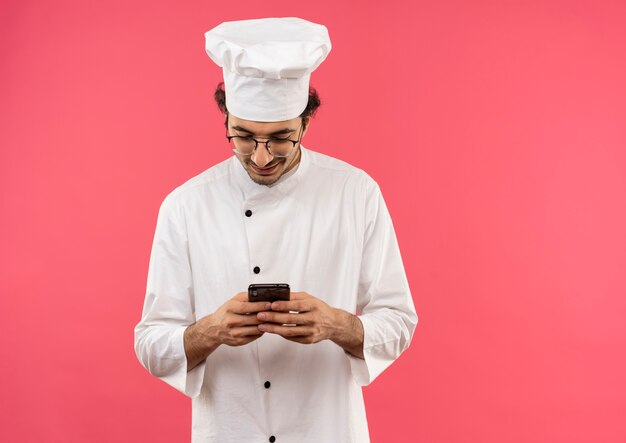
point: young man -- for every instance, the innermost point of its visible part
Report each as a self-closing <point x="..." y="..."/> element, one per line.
<point x="275" y="212"/>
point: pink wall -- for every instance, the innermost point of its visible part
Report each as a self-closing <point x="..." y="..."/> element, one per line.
<point x="497" y="131"/>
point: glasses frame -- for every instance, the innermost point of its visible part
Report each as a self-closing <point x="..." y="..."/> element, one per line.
<point x="267" y="142"/>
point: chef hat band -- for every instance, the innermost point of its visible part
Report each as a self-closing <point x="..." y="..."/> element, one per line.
<point x="267" y="64"/>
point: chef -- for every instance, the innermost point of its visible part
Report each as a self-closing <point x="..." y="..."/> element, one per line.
<point x="274" y="212"/>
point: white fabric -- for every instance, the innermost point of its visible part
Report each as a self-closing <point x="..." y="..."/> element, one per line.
<point x="324" y="230"/>
<point x="267" y="64"/>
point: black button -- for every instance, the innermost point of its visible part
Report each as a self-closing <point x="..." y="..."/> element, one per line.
<point x="267" y="385"/>
<point x="272" y="439"/>
<point x="248" y="213"/>
<point x="256" y="269"/>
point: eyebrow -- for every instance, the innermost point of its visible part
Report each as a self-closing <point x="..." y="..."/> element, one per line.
<point x="283" y="131"/>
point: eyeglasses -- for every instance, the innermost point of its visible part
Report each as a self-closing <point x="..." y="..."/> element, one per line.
<point x="277" y="147"/>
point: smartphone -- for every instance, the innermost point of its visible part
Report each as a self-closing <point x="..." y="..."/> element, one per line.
<point x="268" y="292"/>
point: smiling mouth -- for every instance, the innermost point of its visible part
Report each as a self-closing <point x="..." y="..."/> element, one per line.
<point x="265" y="170"/>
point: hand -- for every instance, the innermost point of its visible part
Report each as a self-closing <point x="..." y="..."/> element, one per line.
<point x="315" y="321"/>
<point x="231" y="324"/>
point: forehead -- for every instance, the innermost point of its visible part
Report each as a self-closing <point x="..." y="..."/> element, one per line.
<point x="263" y="128"/>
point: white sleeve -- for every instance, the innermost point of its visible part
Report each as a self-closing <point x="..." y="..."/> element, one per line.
<point x="169" y="304"/>
<point x="384" y="300"/>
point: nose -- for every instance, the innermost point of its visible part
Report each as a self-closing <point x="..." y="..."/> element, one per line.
<point x="261" y="155"/>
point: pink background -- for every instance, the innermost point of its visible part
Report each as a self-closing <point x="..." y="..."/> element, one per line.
<point x="496" y="129"/>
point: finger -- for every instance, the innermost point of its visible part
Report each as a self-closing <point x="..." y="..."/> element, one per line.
<point x="245" y="331"/>
<point x="286" y="331"/>
<point x="236" y="320"/>
<point x="247" y="307"/>
<point x="243" y="336"/>
<point x="232" y="321"/>
<point x="241" y="296"/>
<point x="292" y="305"/>
<point x="280" y="318"/>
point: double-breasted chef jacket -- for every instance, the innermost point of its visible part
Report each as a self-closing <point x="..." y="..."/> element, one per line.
<point x="325" y="230"/>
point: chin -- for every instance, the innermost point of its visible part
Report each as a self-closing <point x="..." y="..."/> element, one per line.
<point x="264" y="179"/>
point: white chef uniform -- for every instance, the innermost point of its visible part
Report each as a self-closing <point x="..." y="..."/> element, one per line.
<point x="324" y="230"/>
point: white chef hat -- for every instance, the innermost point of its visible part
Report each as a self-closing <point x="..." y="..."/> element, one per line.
<point x="267" y="64"/>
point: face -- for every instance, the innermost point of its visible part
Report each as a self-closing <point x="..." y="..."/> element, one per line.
<point x="261" y="166"/>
